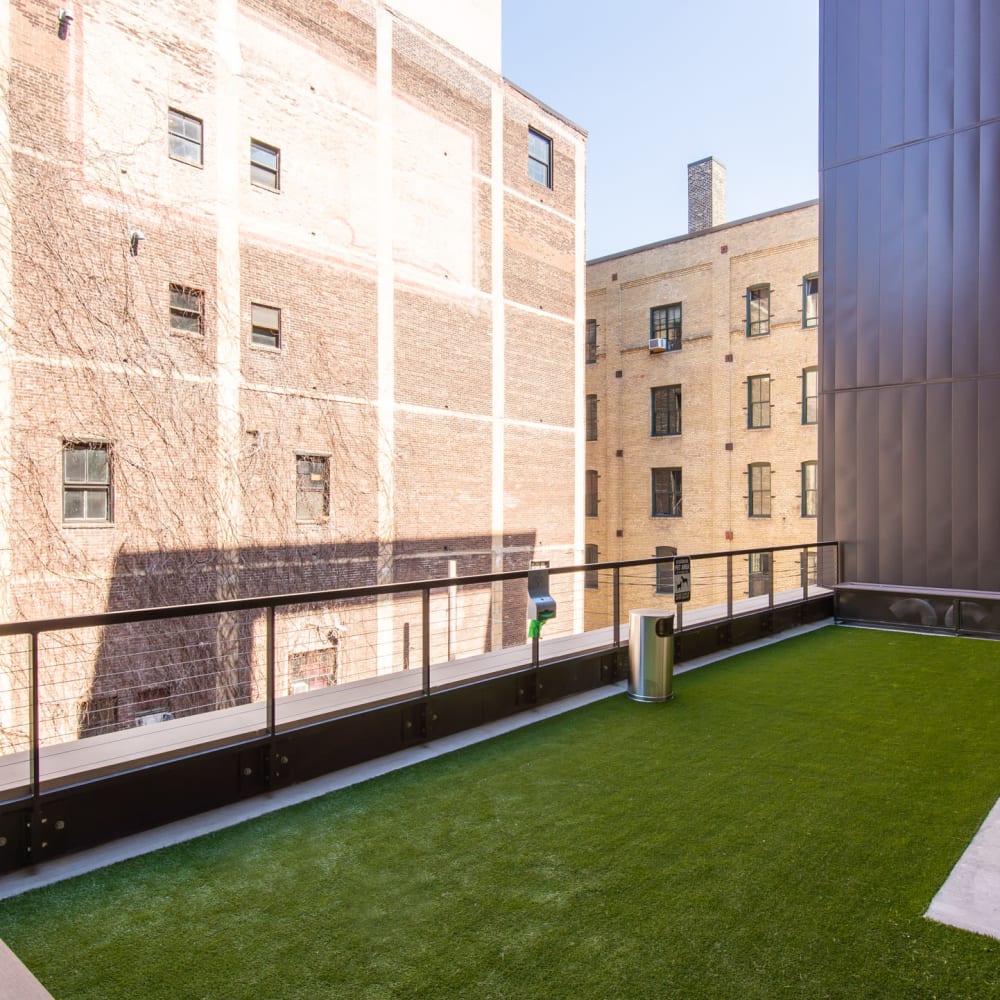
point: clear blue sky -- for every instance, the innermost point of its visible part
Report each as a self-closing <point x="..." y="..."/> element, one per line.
<point x="659" y="83"/>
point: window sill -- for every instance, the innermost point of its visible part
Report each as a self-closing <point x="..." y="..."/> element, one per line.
<point x="88" y="524"/>
<point x="187" y="163"/>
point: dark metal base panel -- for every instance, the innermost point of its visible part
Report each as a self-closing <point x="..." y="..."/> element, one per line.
<point x="948" y="612"/>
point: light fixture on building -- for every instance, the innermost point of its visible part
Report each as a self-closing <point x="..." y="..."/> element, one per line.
<point x="135" y="237"/>
<point x="65" y="20"/>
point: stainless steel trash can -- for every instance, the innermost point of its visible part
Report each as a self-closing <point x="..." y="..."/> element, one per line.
<point x="650" y="655"/>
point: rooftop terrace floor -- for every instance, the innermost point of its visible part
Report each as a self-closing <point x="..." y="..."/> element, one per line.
<point x="779" y="829"/>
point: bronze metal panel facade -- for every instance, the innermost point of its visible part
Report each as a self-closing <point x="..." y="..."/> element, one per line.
<point x="910" y="261"/>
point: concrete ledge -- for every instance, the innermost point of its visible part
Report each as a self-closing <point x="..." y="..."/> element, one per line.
<point x="16" y="982"/>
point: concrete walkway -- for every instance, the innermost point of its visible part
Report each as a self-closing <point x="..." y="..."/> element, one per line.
<point x="970" y="896"/>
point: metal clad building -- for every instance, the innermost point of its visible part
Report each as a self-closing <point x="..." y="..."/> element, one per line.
<point x="910" y="257"/>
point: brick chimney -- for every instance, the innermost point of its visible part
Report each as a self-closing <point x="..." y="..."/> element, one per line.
<point x="706" y="194"/>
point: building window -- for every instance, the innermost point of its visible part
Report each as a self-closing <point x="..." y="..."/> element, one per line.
<point x="810" y="300"/>
<point x="665" y="571"/>
<point x="265" y="325"/>
<point x="760" y="489"/>
<point x="667" y="493"/>
<point x="187" y="309"/>
<point x="86" y="482"/>
<point x="591" y="341"/>
<point x="665" y="324"/>
<point x="312" y="487"/>
<point x="590" y="575"/>
<point x="759" y="401"/>
<point x="810" y="386"/>
<point x="314" y="669"/>
<point x="539" y="158"/>
<point x="184" y="135"/>
<point x="760" y="573"/>
<point x="758" y="310"/>
<point x="809" y="482"/>
<point x="591" y="418"/>
<point x="591" y="492"/>
<point x="665" y="407"/>
<point x="265" y="165"/>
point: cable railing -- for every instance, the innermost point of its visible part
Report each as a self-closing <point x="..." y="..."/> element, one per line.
<point x="96" y="694"/>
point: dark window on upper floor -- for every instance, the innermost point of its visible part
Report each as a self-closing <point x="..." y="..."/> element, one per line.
<point x="667" y="493"/>
<point x="758" y="310"/>
<point x="809" y="491"/>
<point x="187" y="309"/>
<point x="265" y="325"/>
<point x="591" y="341"/>
<point x="591" y="497"/>
<point x="759" y="401"/>
<point x="265" y="165"/>
<point x="312" y="487"/>
<point x="86" y="482"/>
<point x="665" y="409"/>
<point x="810" y="300"/>
<point x="539" y="158"/>
<point x="184" y="135"/>
<point x="759" y="483"/>
<point x="810" y="382"/>
<point x="665" y="324"/>
<point x="591" y="418"/>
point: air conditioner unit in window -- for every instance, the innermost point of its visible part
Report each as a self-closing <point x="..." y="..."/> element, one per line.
<point x="659" y="344"/>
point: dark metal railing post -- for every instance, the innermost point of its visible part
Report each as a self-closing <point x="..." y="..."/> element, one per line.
<point x="770" y="580"/>
<point x="616" y="598"/>
<point x="729" y="585"/>
<point x="804" y="570"/>
<point x="34" y="720"/>
<point x="269" y="653"/>
<point x="425" y="629"/>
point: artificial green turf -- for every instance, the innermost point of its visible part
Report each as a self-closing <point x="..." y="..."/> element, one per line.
<point x="776" y="831"/>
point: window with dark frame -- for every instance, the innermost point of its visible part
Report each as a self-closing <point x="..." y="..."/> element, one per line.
<point x="665" y="408"/>
<point x="312" y="487"/>
<point x="759" y="480"/>
<point x="185" y="137"/>
<point x="759" y="565"/>
<point x="265" y="325"/>
<point x="810" y="301"/>
<point x="810" y="395"/>
<point x="809" y="491"/>
<point x="667" y="493"/>
<point x="758" y="401"/>
<point x="540" y="158"/>
<point x="187" y="309"/>
<point x="758" y="310"/>
<point x="591" y="418"/>
<point x="590" y="576"/>
<point x="665" y="571"/>
<point x="591" y="341"/>
<point x="86" y="482"/>
<point x="665" y="324"/>
<point x="265" y="165"/>
<point x="591" y="497"/>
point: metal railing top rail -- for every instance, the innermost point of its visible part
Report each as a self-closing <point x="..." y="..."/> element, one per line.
<point x="229" y="605"/>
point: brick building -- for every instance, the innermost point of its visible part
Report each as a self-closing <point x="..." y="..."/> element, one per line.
<point x="701" y="397"/>
<point x="270" y="273"/>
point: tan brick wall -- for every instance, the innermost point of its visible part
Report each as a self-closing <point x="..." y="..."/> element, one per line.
<point x="708" y="274"/>
<point x="204" y="429"/>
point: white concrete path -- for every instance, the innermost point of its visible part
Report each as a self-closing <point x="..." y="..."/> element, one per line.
<point x="970" y="897"/>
